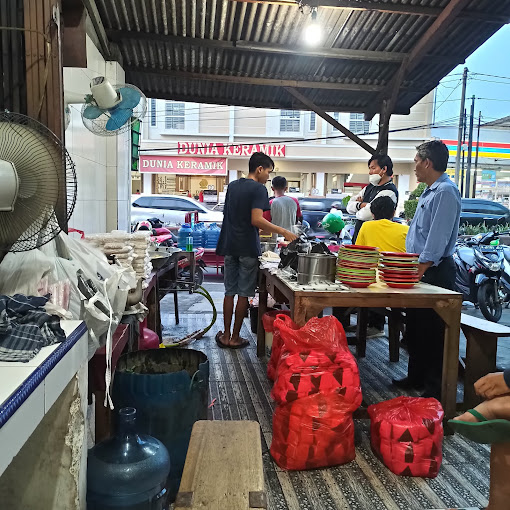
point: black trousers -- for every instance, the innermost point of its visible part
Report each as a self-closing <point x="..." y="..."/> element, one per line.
<point x="425" y="333"/>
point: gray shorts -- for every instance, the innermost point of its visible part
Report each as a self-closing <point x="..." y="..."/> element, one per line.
<point x="241" y="275"/>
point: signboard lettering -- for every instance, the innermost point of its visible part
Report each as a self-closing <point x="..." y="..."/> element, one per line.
<point x="182" y="165"/>
<point x="220" y="149"/>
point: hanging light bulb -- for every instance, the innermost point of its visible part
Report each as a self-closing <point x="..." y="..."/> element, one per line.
<point x="313" y="32"/>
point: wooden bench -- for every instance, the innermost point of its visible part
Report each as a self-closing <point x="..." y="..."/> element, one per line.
<point x="481" y="348"/>
<point x="223" y="469"/>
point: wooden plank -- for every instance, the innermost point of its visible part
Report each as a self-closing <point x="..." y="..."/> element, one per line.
<point x="483" y="325"/>
<point x="334" y="53"/>
<point x="247" y="80"/>
<point x="328" y="118"/>
<point x="223" y="469"/>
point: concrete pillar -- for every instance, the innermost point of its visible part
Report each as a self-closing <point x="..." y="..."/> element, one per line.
<point x="147" y="183"/>
<point x="403" y="189"/>
<point x="320" y="183"/>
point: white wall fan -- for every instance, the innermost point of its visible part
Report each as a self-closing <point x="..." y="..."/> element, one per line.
<point x="109" y="109"/>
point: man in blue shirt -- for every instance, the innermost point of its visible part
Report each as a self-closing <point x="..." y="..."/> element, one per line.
<point x="432" y="234"/>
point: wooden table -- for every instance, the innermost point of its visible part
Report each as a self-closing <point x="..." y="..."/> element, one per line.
<point x="305" y="304"/>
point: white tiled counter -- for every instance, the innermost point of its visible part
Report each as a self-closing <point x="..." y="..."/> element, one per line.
<point x="42" y="431"/>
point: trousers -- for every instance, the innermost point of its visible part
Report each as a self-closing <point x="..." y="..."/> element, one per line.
<point x="425" y="333"/>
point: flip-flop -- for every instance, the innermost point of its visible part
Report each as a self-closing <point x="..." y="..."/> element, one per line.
<point x="483" y="431"/>
<point x="221" y="345"/>
<point x="244" y="343"/>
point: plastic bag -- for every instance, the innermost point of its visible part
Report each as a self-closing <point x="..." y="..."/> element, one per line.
<point x="276" y="348"/>
<point x="313" y="432"/>
<point x="407" y="435"/>
<point x="269" y="317"/>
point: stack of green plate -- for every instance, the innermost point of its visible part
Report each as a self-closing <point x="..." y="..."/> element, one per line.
<point x="356" y="265"/>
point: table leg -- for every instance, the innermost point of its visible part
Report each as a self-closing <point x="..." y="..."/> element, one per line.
<point x="261" y="336"/>
<point x="394" y="323"/>
<point x="449" y="310"/>
<point x="176" y="306"/>
<point x="481" y="351"/>
<point x="361" y="332"/>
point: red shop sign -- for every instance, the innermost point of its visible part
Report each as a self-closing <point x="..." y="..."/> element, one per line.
<point x="182" y="165"/>
<point x="220" y="149"/>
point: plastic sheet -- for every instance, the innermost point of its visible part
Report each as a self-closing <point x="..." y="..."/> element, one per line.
<point x="276" y="348"/>
<point x="407" y="435"/>
<point x="313" y="432"/>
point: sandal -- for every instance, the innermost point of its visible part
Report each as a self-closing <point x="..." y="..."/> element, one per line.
<point x="483" y="431"/>
<point x="221" y="345"/>
<point x="244" y="343"/>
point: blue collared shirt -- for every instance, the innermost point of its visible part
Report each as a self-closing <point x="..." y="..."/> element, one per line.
<point x="435" y="226"/>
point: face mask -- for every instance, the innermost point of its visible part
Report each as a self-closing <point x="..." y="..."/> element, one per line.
<point x="374" y="179"/>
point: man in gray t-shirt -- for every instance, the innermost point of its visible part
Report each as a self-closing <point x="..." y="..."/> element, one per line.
<point x="285" y="211"/>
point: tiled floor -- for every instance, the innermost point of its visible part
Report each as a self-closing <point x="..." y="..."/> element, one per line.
<point x="240" y="387"/>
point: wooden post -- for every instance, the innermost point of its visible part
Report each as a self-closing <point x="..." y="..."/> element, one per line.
<point x="43" y="54"/>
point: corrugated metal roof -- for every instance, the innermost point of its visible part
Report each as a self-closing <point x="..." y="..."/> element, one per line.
<point x="178" y="49"/>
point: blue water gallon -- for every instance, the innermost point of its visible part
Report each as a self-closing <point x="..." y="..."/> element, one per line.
<point x="212" y="234"/>
<point x="198" y="235"/>
<point x="183" y="234"/>
<point x="128" y="471"/>
<point x="169" y="388"/>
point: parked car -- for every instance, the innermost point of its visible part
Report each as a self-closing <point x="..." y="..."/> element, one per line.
<point x="170" y="209"/>
<point x="477" y="210"/>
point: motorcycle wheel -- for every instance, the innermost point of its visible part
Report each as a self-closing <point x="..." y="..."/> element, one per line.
<point x="489" y="302"/>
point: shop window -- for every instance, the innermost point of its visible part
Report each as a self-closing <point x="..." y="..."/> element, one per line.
<point x="313" y="121"/>
<point x="358" y="125"/>
<point x="290" y="121"/>
<point x="174" y="115"/>
<point x="153" y="112"/>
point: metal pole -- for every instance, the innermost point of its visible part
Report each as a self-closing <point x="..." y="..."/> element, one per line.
<point x="475" y="175"/>
<point x="470" y="148"/>
<point x="461" y="120"/>
<point x="463" y="154"/>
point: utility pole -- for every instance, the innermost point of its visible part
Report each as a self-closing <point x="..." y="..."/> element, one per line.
<point x="470" y="148"/>
<point x="475" y="175"/>
<point x="463" y="153"/>
<point x="461" y="119"/>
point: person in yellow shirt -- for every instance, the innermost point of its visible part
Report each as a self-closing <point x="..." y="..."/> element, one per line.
<point x="382" y="232"/>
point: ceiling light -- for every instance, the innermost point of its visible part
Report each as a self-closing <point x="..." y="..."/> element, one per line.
<point x="313" y="32"/>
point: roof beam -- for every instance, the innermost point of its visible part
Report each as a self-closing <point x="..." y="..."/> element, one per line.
<point x="435" y="32"/>
<point x="321" y="113"/>
<point x="335" y="53"/>
<point x="392" y="8"/>
<point x="95" y="18"/>
<point x="247" y="80"/>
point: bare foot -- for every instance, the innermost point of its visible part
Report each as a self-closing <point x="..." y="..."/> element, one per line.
<point x="236" y="341"/>
<point x="498" y="407"/>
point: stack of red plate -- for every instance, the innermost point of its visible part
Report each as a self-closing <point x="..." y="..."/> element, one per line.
<point x="399" y="270"/>
<point x="357" y="265"/>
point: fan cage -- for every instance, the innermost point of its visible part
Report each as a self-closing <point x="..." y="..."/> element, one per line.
<point x="56" y="216"/>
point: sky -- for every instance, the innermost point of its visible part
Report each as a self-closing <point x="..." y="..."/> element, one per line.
<point x="492" y="93"/>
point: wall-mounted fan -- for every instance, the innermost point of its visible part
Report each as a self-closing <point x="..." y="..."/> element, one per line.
<point x="38" y="191"/>
<point x="110" y="109"/>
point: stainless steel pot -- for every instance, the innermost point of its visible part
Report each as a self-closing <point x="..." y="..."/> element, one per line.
<point x="313" y="267"/>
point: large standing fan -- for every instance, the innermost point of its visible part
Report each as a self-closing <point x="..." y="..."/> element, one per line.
<point x="38" y="184"/>
<point x="111" y="109"/>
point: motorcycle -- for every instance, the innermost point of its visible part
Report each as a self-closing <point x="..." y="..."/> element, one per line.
<point x="479" y="268"/>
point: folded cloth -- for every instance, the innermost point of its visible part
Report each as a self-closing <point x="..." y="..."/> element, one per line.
<point x="25" y="327"/>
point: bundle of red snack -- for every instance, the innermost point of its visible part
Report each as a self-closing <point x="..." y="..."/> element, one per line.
<point x="317" y="389"/>
<point x="407" y="435"/>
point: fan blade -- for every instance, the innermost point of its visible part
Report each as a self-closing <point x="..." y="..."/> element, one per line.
<point x="118" y="117"/>
<point x="130" y="97"/>
<point x="92" y="112"/>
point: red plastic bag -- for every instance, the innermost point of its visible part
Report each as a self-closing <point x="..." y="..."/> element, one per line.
<point x="277" y="345"/>
<point x="305" y="373"/>
<point x="313" y="432"/>
<point x="269" y="317"/>
<point x="407" y="435"/>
